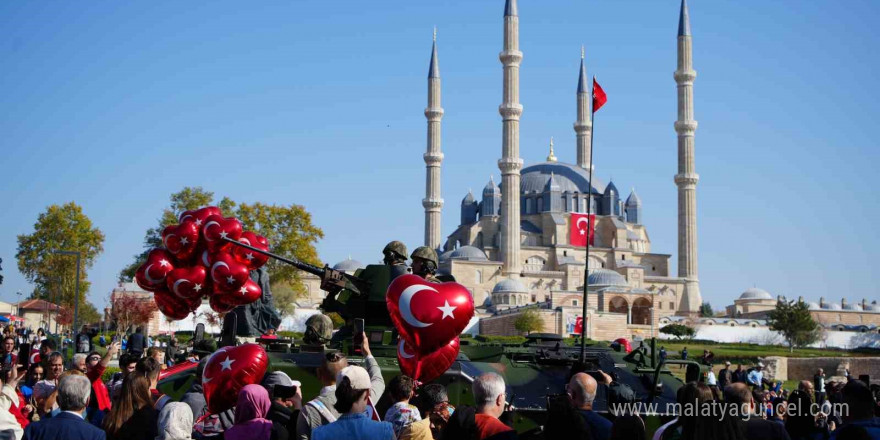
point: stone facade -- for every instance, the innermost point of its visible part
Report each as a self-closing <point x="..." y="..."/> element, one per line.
<point x="781" y="368"/>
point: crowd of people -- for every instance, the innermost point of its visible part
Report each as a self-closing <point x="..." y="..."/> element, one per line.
<point x="46" y="398"/>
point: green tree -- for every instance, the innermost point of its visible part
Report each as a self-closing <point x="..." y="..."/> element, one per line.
<point x="63" y="227"/>
<point x="186" y="199"/>
<point x="706" y="310"/>
<point x="529" y="320"/>
<point x="794" y="320"/>
<point x="284" y="295"/>
<point x="678" y="330"/>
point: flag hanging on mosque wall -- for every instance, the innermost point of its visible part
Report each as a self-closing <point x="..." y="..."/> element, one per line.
<point x="581" y="229"/>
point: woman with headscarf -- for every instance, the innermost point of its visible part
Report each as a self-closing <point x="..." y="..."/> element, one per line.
<point x="250" y="417"/>
<point x="175" y="422"/>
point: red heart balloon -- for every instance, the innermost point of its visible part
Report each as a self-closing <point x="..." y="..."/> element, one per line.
<point x="188" y="282"/>
<point x="426" y="368"/>
<point x="206" y="258"/>
<point x="151" y="275"/>
<point x="181" y="240"/>
<point x="428" y="315"/>
<point x="172" y="306"/>
<point x="253" y="260"/>
<point x="198" y="216"/>
<point x="216" y="228"/>
<point x="218" y="304"/>
<point x="246" y="294"/>
<point x="228" y="370"/>
<point x="227" y="274"/>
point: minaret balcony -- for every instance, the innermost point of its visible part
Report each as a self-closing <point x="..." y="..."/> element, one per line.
<point x="685" y="77"/>
<point x="510" y="165"/>
<point x="686" y="128"/>
<point x="510" y="111"/>
<point x="433" y="159"/>
<point x="510" y="57"/>
<point x="434" y="113"/>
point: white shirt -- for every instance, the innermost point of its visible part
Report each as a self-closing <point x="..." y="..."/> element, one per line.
<point x="711" y="379"/>
<point x="75" y="413"/>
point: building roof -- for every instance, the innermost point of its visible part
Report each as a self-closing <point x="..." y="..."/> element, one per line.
<point x="684" y="21"/>
<point x="510" y="8"/>
<point x="445" y="255"/>
<point x="509" y="285"/>
<point x="434" y="69"/>
<point x="469" y="198"/>
<point x="37" y="304"/>
<point x="831" y="306"/>
<point x="606" y="277"/>
<point x="633" y="199"/>
<point x="755" y="293"/>
<point x="813" y="306"/>
<point x="348" y="265"/>
<point x="853" y="306"/>
<point x="469" y="253"/>
<point x="582" y="78"/>
<point x="570" y="178"/>
<point x="491" y="187"/>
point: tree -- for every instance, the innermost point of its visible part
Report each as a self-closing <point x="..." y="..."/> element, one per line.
<point x="186" y="199"/>
<point x="706" y="310"/>
<point x="67" y="228"/>
<point x="795" y="322"/>
<point x="129" y="311"/>
<point x="1" y="269"/>
<point x="284" y="296"/>
<point x="678" y="330"/>
<point x="529" y="320"/>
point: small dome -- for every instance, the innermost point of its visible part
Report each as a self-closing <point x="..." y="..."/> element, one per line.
<point x="611" y="189"/>
<point x="874" y="307"/>
<point x="348" y="265"/>
<point x="509" y="285"/>
<point x="443" y="256"/>
<point x="468" y="199"/>
<point x="468" y="253"/>
<point x="832" y="306"/>
<point x="633" y="199"/>
<point x="756" y="293"/>
<point x="813" y="306"/>
<point x="853" y="307"/>
<point x="606" y="277"/>
<point x="491" y="188"/>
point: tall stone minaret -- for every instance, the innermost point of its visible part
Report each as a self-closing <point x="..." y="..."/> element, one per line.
<point x="510" y="162"/>
<point x="687" y="178"/>
<point x="583" y="127"/>
<point x="433" y="157"/>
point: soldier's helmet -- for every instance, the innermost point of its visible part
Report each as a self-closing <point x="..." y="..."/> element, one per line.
<point x="396" y="247"/>
<point x="425" y="253"/>
<point x="319" y="329"/>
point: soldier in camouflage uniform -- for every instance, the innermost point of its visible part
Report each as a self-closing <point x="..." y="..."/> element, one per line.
<point x="424" y="264"/>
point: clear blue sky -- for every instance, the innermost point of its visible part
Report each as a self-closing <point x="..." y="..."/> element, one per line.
<point x="115" y="105"/>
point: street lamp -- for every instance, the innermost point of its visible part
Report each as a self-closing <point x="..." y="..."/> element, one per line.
<point x="18" y="311"/>
<point x="76" y="304"/>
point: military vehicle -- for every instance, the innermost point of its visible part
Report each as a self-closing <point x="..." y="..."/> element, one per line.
<point x="534" y="371"/>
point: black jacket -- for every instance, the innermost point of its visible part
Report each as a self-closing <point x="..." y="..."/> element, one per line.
<point x="281" y="415"/>
<point x="136" y="343"/>
<point x="143" y="425"/>
<point x="760" y="429"/>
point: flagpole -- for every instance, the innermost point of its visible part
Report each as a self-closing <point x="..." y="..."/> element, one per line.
<point x="590" y="227"/>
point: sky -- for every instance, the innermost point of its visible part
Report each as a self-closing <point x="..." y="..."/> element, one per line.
<point x="116" y="105"/>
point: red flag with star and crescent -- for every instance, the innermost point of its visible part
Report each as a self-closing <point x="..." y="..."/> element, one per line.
<point x="581" y="229"/>
<point x="599" y="96"/>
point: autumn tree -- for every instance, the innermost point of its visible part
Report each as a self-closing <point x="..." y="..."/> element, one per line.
<point x="528" y="321"/>
<point x="60" y="227"/>
<point x="129" y="311"/>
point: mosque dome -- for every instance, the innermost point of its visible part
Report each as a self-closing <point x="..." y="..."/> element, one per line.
<point x="756" y="293"/>
<point x="606" y="277"/>
<point x="874" y="307"/>
<point x="348" y="265"/>
<point x="509" y="285"/>
<point x="813" y="306"/>
<point x="853" y="307"/>
<point x="469" y="253"/>
<point x="443" y="256"/>
<point x="832" y="306"/>
<point x="568" y="177"/>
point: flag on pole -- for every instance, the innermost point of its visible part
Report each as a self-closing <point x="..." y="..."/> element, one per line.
<point x="599" y="97"/>
<point x="579" y="326"/>
<point x="581" y="229"/>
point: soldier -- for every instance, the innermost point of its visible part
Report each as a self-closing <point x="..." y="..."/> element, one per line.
<point x="395" y="253"/>
<point x="424" y="264"/>
<point x="319" y="330"/>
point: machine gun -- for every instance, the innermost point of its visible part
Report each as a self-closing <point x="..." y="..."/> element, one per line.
<point x="332" y="280"/>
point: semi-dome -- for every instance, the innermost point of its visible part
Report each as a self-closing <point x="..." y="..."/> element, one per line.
<point x="756" y="293"/>
<point x="606" y="277"/>
<point x="813" y="306"/>
<point x="469" y="253"/>
<point x="348" y="265"/>
<point x="509" y="285"/>
<point x="570" y="178"/>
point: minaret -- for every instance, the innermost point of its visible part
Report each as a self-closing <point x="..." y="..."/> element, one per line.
<point x="687" y="178"/>
<point x="583" y="127"/>
<point x="433" y="157"/>
<point x="510" y="162"/>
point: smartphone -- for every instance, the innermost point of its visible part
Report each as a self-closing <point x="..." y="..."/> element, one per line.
<point x="358" y="333"/>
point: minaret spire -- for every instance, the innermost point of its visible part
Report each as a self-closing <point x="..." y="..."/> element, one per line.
<point x="433" y="157"/>
<point x="583" y="127"/>
<point x="551" y="157"/>
<point x="510" y="163"/>
<point x="687" y="177"/>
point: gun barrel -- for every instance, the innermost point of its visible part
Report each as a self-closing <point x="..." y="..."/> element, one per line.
<point x="305" y="267"/>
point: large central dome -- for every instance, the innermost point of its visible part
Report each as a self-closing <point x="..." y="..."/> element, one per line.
<point x="570" y="178"/>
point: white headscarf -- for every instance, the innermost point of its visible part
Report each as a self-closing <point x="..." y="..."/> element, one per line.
<point x="175" y="422"/>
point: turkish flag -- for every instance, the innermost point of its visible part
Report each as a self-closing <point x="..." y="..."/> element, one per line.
<point x="581" y="228"/>
<point x="579" y="325"/>
<point x="599" y="97"/>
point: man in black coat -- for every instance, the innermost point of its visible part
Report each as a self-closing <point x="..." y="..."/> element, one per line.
<point x="72" y="398"/>
<point x="286" y="400"/>
<point x="755" y="427"/>
<point x="137" y="343"/>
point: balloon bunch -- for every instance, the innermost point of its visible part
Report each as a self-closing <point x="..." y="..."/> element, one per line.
<point x="197" y="263"/>
<point x="429" y="318"/>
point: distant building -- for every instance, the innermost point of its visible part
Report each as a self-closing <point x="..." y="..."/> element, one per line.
<point x="133" y="290"/>
<point x="38" y="313"/>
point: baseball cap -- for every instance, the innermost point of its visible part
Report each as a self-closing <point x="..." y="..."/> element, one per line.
<point x="357" y="376"/>
<point x="727" y="363"/>
<point x="760" y="365"/>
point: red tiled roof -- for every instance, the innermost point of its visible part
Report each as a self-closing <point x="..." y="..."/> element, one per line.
<point x="37" y="304"/>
